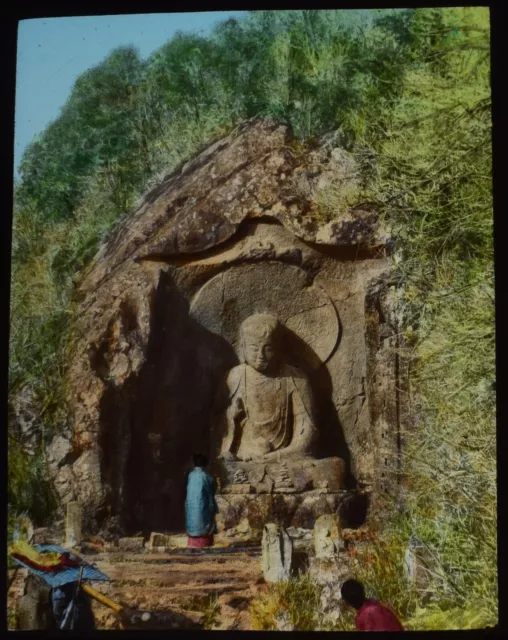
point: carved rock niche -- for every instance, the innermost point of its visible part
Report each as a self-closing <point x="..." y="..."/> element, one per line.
<point x="162" y="369"/>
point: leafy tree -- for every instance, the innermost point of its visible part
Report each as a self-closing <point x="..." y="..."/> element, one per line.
<point x="93" y="132"/>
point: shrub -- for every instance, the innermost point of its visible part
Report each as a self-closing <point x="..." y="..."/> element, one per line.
<point x="28" y="489"/>
<point x="297" y="598"/>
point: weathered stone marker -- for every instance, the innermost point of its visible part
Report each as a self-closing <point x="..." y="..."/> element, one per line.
<point x="327" y="568"/>
<point x="277" y="554"/>
<point x="326" y="537"/>
<point x="73" y="535"/>
<point x="158" y="540"/>
<point x="34" y="607"/>
<point x="134" y="545"/>
<point x="416" y="565"/>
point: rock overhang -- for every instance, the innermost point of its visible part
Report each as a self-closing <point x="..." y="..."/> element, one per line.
<point x="252" y="173"/>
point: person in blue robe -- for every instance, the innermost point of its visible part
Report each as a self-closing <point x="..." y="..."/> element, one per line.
<point x="200" y="504"/>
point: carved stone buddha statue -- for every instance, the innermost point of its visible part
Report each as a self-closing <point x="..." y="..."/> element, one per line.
<point x="270" y="414"/>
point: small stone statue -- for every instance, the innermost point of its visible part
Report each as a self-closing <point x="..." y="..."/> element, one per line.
<point x="240" y="477"/>
<point x="283" y="478"/>
<point x="270" y="413"/>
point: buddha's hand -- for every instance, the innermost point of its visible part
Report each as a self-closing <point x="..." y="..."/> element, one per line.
<point x="273" y="455"/>
<point x="227" y="455"/>
<point x="238" y="410"/>
<point x="283" y="454"/>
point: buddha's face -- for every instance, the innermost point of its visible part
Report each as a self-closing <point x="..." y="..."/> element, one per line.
<point x="259" y="346"/>
<point x="259" y="352"/>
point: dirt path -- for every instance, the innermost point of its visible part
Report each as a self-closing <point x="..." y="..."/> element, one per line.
<point x="202" y="585"/>
<point x="212" y="588"/>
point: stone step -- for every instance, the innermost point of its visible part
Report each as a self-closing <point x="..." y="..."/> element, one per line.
<point x="188" y="587"/>
<point x="131" y="594"/>
<point x="179" y="573"/>
<point x="190" y="557"/>
<point x="205" y="566"/>
<point x="241" y="582"/>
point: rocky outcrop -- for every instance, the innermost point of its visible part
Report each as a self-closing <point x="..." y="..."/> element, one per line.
<point x="25" y="421"/>
<point x="59" y="459"/>
<point x="329" y="574"/>
<point x="251" y="173"/>
<point x="328" y="565"/>
<point x="289" y="510"/>
<point x="35" y="606"/>
<point x="253" y="224"/>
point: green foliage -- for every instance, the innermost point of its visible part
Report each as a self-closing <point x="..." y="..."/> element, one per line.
<point x="39" y="316"/>
<point x="97" y="130"/>
<point x="315" y="69"/>
<point x="211" y="613"/>
<point x="456" y="619"/>
<point x="379" y="565"/>
<point x="437" y="193"/>
<point x="298" y="599"/>
<point x="207" y="605"/>
<point x="12" y="619"/>
<point x="28" y="490"/>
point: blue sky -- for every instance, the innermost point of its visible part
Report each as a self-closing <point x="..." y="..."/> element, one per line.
<point x="53" y="52"/>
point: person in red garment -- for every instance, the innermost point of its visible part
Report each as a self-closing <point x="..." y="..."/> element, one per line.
<point x="371" y="615"/>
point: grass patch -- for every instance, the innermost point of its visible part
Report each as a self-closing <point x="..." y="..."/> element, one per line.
<point x="12" y="618"/>
<point x="207" y="605"/>
<point x="211" y="612"/>
<point x="454" y="619"/>
<point x="297" y="600"/>
<point x="28" y="490"/>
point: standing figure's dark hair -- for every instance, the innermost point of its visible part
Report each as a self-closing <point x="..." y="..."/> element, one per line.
<point x="200" y="460"/>
<point x="353" y="593"/>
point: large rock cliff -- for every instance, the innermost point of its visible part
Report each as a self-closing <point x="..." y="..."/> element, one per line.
<point x="254" y="223"/>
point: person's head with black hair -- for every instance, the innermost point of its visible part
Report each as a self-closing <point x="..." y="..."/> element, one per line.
<point x="200" y="460"/>
<point x="353" y="593"/>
